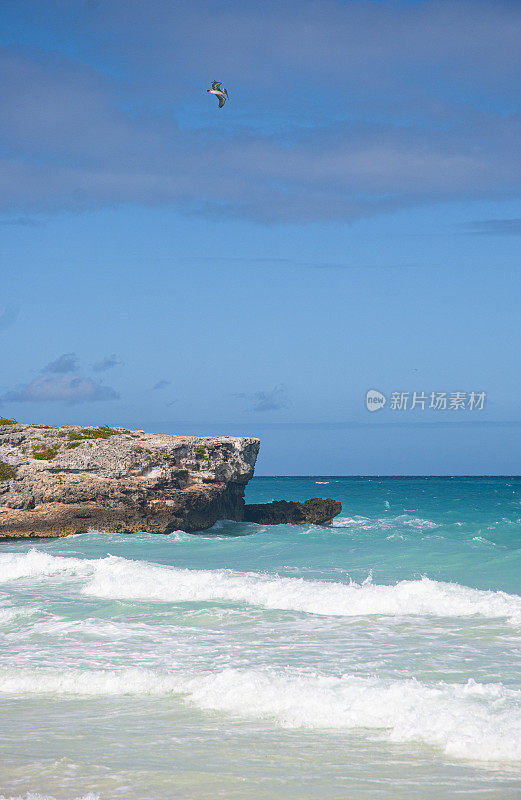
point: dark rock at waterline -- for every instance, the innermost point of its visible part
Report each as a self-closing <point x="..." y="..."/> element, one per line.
<point x="316" y="511"/>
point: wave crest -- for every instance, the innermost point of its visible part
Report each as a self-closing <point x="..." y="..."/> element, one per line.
<point x="117" y="578"/>
<point x="472" y="721"/>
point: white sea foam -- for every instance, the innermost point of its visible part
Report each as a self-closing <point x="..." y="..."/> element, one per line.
<point x="466" y="721"/>
<point x="8" y="615"/>
<point x="118" y="578"/>
<point x="37" y="796"/>
<point x="97" y="683"/>
<point x="481" y="540"/>
<point x="384" y="523"/>
<point x="474" y="721"/>
<point x="36" y="563"/>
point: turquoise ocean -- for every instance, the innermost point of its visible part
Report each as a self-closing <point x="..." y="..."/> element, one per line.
<point x="377" y="658"/>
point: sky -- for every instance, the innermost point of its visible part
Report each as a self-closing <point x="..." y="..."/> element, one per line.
<point x="349" y="221"/>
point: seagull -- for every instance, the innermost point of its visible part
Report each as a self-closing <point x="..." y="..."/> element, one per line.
<point x="221" y="94"/>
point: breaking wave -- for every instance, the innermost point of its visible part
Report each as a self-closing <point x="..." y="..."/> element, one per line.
<point x="38" y="796"/>
<point x="119" y="578"/>
<point x="472" y="721"/>
<point x="37" y="564"/>
<point x="384" y="523"/>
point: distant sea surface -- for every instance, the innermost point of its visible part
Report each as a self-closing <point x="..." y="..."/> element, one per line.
<point x="378" y="658"/>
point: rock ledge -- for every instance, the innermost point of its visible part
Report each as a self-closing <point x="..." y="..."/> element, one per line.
<point x="56" y="481"/>
<point x="316" y="511"/>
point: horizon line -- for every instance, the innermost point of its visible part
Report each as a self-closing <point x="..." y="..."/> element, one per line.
<point x="394" y="476"/>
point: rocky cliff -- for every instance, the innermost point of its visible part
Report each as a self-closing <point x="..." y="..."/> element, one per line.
<point x="57" y="481"/>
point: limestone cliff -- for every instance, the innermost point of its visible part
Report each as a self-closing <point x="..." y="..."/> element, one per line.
<point x="57" y="481"/>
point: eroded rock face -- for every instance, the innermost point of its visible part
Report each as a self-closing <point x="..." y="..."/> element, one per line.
<point x="58" y="481"/>
<point x="316" y="511"/>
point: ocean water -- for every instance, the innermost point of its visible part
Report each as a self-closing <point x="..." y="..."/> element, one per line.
<point x="377" y="658"/>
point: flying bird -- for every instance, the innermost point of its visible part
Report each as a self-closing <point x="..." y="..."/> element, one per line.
<point x="221" y="94"/>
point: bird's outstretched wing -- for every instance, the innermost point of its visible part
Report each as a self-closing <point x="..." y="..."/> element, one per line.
<point x="216" y="84"/>
<point x="222" y="100"/>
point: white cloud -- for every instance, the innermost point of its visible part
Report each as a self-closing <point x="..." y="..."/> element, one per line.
<point x="68" y="362"/>
<point x="66" y="388"/>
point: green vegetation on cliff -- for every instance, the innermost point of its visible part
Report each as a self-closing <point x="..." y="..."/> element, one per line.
<point x="6" y="471"/>
<point x="200" y="453"/>
<point x="46" y="453"/>
<point x="102" y="432"/>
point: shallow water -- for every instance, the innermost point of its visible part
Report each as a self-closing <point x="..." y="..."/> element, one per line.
<point x="377" y="658"/>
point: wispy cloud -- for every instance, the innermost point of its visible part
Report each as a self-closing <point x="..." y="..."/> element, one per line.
<point x="59" y="381"/>
<point x="68" y="362"/>
<point x="73" y="139"/>
<point x="283" y="263"/>
<point x="106" y="363"/>
<point x="496" y="227"/>
<point x="28" y="222"/>
<point x="271" y="400"/>
<point x="161" y="385"/>
<point x="69" y="389"/>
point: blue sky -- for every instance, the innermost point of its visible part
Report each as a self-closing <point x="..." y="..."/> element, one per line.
<point x="349" y="220"/>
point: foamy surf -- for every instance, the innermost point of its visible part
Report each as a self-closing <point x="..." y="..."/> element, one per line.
<point x="119" y="578"/>
<point x="38" y="796"/>
<point x="9" y="615"/>
<point x="38" y="564"/>
<point x="123" y="675"/>
<point x="384" y="523"/>
<point x="471" y="721"/>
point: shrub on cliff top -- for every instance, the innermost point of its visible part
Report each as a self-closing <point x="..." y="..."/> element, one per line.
<point x="200" y="452"/>
<point x="5" y="421"/>
<point x="102" y="432"/>
<point x="6" y="471"/>
<point x="46" y="453"/>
